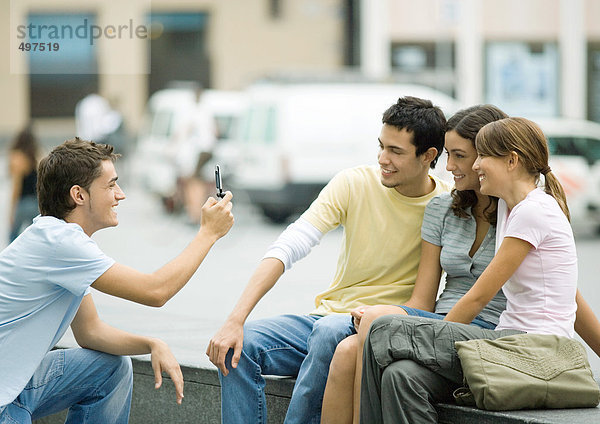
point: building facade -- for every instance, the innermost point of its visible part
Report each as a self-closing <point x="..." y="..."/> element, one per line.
<point x="531" y="57"/>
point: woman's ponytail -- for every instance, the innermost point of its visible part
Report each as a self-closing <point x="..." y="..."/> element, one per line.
<point x="555" y="189"/>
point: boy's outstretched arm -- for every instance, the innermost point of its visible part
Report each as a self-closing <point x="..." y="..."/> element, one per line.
<point x="157" y="288"/>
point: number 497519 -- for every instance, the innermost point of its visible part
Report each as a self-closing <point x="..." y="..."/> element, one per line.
<point x="39" y="47"/>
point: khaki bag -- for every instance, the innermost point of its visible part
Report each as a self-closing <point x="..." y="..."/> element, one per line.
<point x="526" y="371"/>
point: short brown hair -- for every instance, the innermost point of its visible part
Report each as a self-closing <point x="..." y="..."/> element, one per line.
<point x="75" y="162"/>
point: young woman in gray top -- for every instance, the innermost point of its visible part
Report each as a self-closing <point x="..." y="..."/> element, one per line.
<point x="458" y="237"/>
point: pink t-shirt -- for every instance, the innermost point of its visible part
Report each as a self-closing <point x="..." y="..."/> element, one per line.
<point x="541" y="293"/>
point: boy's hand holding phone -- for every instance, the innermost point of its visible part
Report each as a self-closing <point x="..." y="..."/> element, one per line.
<point x="217" y="218"/>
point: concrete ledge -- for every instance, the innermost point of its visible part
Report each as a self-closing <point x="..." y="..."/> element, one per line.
<point x="202" y="403"/>
<point x="453" y="414"/>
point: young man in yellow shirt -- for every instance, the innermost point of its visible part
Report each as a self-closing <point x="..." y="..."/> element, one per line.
<point x="381" y="210"/>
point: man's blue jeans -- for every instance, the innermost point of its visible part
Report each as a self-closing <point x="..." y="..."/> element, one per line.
<point x="287" y="345"/>
<point x="94" y="386"/>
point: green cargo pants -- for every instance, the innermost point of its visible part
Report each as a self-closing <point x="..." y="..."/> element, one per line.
<point x="409" y="364"/>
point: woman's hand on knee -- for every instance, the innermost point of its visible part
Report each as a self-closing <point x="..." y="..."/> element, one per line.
<point x="357" y="315"/>
<point x="374" y="312"/>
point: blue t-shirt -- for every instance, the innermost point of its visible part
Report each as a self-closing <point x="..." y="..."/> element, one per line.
<point x="44" y="275"/>
<point x="455" y="235"/>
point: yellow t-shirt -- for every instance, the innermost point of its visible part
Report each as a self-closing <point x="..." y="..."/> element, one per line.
<point x="381" y="247"/>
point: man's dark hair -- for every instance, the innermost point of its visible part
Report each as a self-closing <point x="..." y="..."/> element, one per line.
<point x="75" y="162"/>
<point x="425" y="121"/>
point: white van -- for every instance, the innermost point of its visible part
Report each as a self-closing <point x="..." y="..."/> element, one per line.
<point x="154" y="161"/>
<point x="575" y="160"/>
<point x="294" y="138"/>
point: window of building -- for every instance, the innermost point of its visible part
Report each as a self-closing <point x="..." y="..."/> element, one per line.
<point x="594" y="82"/>
<point x="522" y="77"/>
<point x="427" y="63"/>
<point x="274" y="9"/>
<point x="59" y="79"/>
<point x="352" y="33"/>
<point x="178" y="49"/>
<point x="418" y="57"/>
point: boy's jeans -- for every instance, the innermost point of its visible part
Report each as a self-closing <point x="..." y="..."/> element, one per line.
<point x="95" y="386"/>
<point x="287" y="345"/>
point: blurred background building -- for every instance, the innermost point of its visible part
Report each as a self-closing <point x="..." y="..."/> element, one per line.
<point x="530" y="57"/>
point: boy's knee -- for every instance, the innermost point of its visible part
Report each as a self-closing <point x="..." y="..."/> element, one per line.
<point x="252" y="343"/>
<point x="123" y="366"/>
<point x="327" y="333"/>
<point x="333" y="327"/>
<point x="118" y="369"/>
<point x="120" y="365"/>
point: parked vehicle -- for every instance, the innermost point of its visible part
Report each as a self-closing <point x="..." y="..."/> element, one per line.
<point x="575" y="159"/>
<point x="293" y="138"/>
<point x="154" y="161"/>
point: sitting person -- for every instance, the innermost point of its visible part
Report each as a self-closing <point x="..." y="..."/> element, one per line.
<point x="45" y="279"/>
<point x="449" y="220"/>
<point x="369" y="202"/>
<point x="535" y="265"/>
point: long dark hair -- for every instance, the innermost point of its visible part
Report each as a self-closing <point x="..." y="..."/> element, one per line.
<point x="467" y="123"/>
<point x="26" y="143"/>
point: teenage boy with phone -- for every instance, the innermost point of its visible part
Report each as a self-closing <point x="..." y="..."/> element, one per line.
<point x="381" y="209"/>
<point x="45" y="275"/>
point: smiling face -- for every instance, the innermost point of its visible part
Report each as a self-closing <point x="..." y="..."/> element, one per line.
<point x="400" y="167"/>
<point x="492" y="174"/>
<point x="104" y="196"/>
<point x="461" y="156"/>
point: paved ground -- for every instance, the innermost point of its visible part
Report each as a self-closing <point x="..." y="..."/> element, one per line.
<point x="147" y="238"/>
